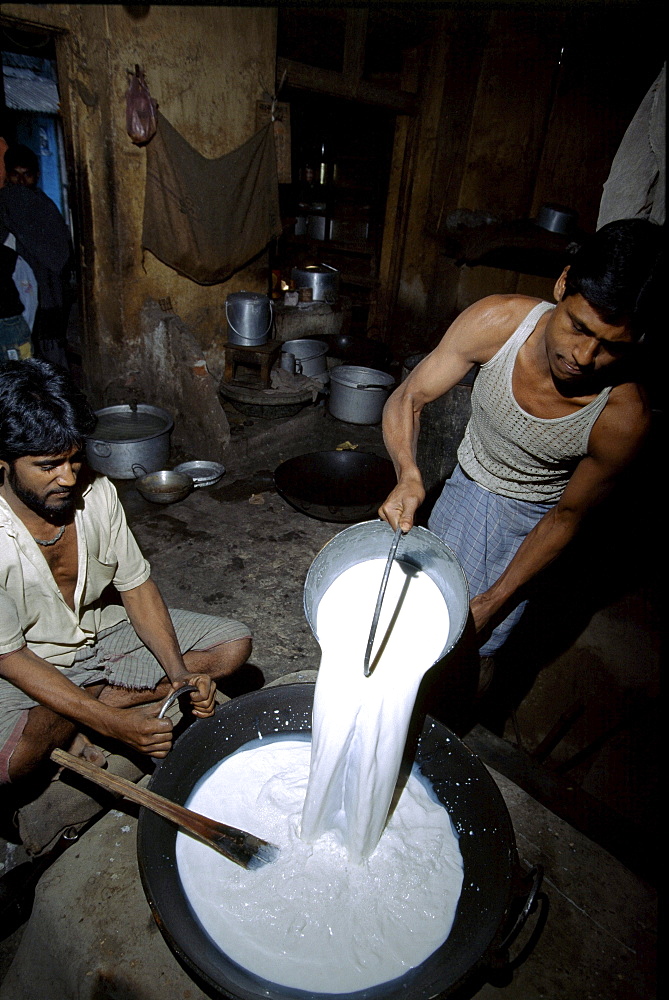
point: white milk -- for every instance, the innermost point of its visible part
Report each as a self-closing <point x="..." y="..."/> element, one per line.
<point x="360" y="723"/>
<point x="340" y="910"/>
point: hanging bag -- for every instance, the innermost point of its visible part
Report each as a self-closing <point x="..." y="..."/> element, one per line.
<point x="140" y="109"/>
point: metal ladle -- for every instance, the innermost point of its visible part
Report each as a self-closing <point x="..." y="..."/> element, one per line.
<point x="379" y="600"/>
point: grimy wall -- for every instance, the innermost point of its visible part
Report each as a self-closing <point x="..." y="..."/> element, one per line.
<point x="144" y="327"/>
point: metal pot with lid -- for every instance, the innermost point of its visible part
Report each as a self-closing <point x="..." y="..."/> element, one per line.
<point x="321" y="278"/>
<point x="128" y="435"/>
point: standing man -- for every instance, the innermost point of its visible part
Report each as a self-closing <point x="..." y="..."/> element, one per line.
<point x="43" y="242"/>
<point x="556" y="417"/>
<point x="71" y="662"/>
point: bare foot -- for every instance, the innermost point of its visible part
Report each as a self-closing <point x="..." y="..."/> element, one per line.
<point x="81" y="746"/>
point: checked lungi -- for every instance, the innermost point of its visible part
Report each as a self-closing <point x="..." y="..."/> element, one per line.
<point x="485" y="531"/>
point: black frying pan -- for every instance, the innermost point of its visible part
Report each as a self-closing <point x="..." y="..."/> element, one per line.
<point x="342" y="486"/>
<point x="488" y="902"/>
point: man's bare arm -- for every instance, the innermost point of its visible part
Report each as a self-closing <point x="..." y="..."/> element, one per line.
<point x="614" y="442"/>
<point x="138" y="726"/>
<point x="473" y="338"/>
<point x="151" y="621"/>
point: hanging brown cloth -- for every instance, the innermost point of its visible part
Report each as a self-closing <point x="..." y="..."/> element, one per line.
<point x="207" y="218"/>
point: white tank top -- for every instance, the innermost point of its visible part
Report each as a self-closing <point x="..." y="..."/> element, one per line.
<point x="509" y="451"/>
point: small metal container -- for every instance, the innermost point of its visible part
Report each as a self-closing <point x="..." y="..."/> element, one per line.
<point x="165" y="486"/>
<point x="557" y="219"/>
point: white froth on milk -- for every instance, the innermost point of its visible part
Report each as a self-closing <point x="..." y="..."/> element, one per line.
<point x="340" y="910"/>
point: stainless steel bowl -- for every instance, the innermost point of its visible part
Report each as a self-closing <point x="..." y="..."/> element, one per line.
<point x="165" y="486"/>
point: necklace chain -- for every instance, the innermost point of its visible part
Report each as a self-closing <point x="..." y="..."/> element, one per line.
<point x="51" y="541"/>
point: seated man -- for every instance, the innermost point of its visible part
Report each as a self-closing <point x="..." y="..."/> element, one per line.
<point x="71" y="662"/>
<point x="557" y="415"/>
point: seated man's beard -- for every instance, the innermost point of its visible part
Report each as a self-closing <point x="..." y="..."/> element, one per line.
<point x="58" y="512"/>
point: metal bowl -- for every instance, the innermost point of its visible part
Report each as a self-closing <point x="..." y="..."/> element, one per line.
<point x="165" y="486"/>
<point x="202" y="473"/>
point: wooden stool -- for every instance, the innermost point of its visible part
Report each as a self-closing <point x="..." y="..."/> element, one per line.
<point x="261" y="357"/>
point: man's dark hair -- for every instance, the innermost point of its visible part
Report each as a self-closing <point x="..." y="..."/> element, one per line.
<point x="21" y="156"/>
<point x="42" y="411"/>
<point x="618" y="270"/>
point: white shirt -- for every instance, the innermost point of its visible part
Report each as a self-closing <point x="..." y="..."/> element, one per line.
<point x="32" y="608"/>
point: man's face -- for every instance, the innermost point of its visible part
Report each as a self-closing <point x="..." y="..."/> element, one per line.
<point x="579" y="344"/>
<point x="46" y="484"/>
<point x="24" y="176"/>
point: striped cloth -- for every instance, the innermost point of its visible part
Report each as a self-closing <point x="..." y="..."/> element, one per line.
<point x="485" y="531"/>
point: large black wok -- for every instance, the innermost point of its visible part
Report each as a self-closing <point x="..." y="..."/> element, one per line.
<point x="341" y="486"/>
<point x="489" y="896"/>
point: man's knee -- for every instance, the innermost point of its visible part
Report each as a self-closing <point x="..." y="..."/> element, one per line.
<point x="222" y="659"/>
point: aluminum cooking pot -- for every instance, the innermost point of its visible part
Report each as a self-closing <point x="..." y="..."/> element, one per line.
<point x="494" y="887"/>
<point x="128" y="435"/>
<point x="308" y="355"/>
<point x="321" y="278"/>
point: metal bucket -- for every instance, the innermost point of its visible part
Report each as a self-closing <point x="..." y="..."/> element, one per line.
<point x="250" y="316"/>
<point x="126" y="436"/>
<point x="358" y="395"/>
<point x="371" y="540"/>
<point x="321" y="278"/>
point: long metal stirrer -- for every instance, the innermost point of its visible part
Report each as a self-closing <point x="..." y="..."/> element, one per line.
<point x="379" y="600"/>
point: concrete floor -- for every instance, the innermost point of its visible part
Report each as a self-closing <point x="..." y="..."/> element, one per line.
<point x="239" y="549"/>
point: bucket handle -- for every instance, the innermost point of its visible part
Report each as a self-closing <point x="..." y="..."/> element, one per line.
<point x="372" y="385"/>
<point x="271" y="319"/>
<point x="138" y="466"/>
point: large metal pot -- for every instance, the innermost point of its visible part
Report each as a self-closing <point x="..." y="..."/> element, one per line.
<point x="129" y="435"/>
<point x="493" y="879"/>
<point x="358" y="395"/>
<point x="309" y="356"/>
<point x="321" y="278"/>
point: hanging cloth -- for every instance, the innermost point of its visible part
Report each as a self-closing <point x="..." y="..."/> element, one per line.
<point x="207" y="218"/>
<point x="636" y="185"/>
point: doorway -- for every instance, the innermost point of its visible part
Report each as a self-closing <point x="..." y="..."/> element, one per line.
<point x="30" y="116"/>
<point x="31" y="108"/>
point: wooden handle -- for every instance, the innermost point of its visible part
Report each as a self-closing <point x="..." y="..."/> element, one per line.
<point x="199" y="825"/>
<point x="243" y="848"/>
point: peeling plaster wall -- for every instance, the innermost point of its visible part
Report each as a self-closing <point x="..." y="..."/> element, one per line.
<point x="206" y="67"/>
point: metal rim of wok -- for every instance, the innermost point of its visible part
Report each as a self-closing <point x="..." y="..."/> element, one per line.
<point x="460" y="781"/>
<point x="341" y="486"/>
